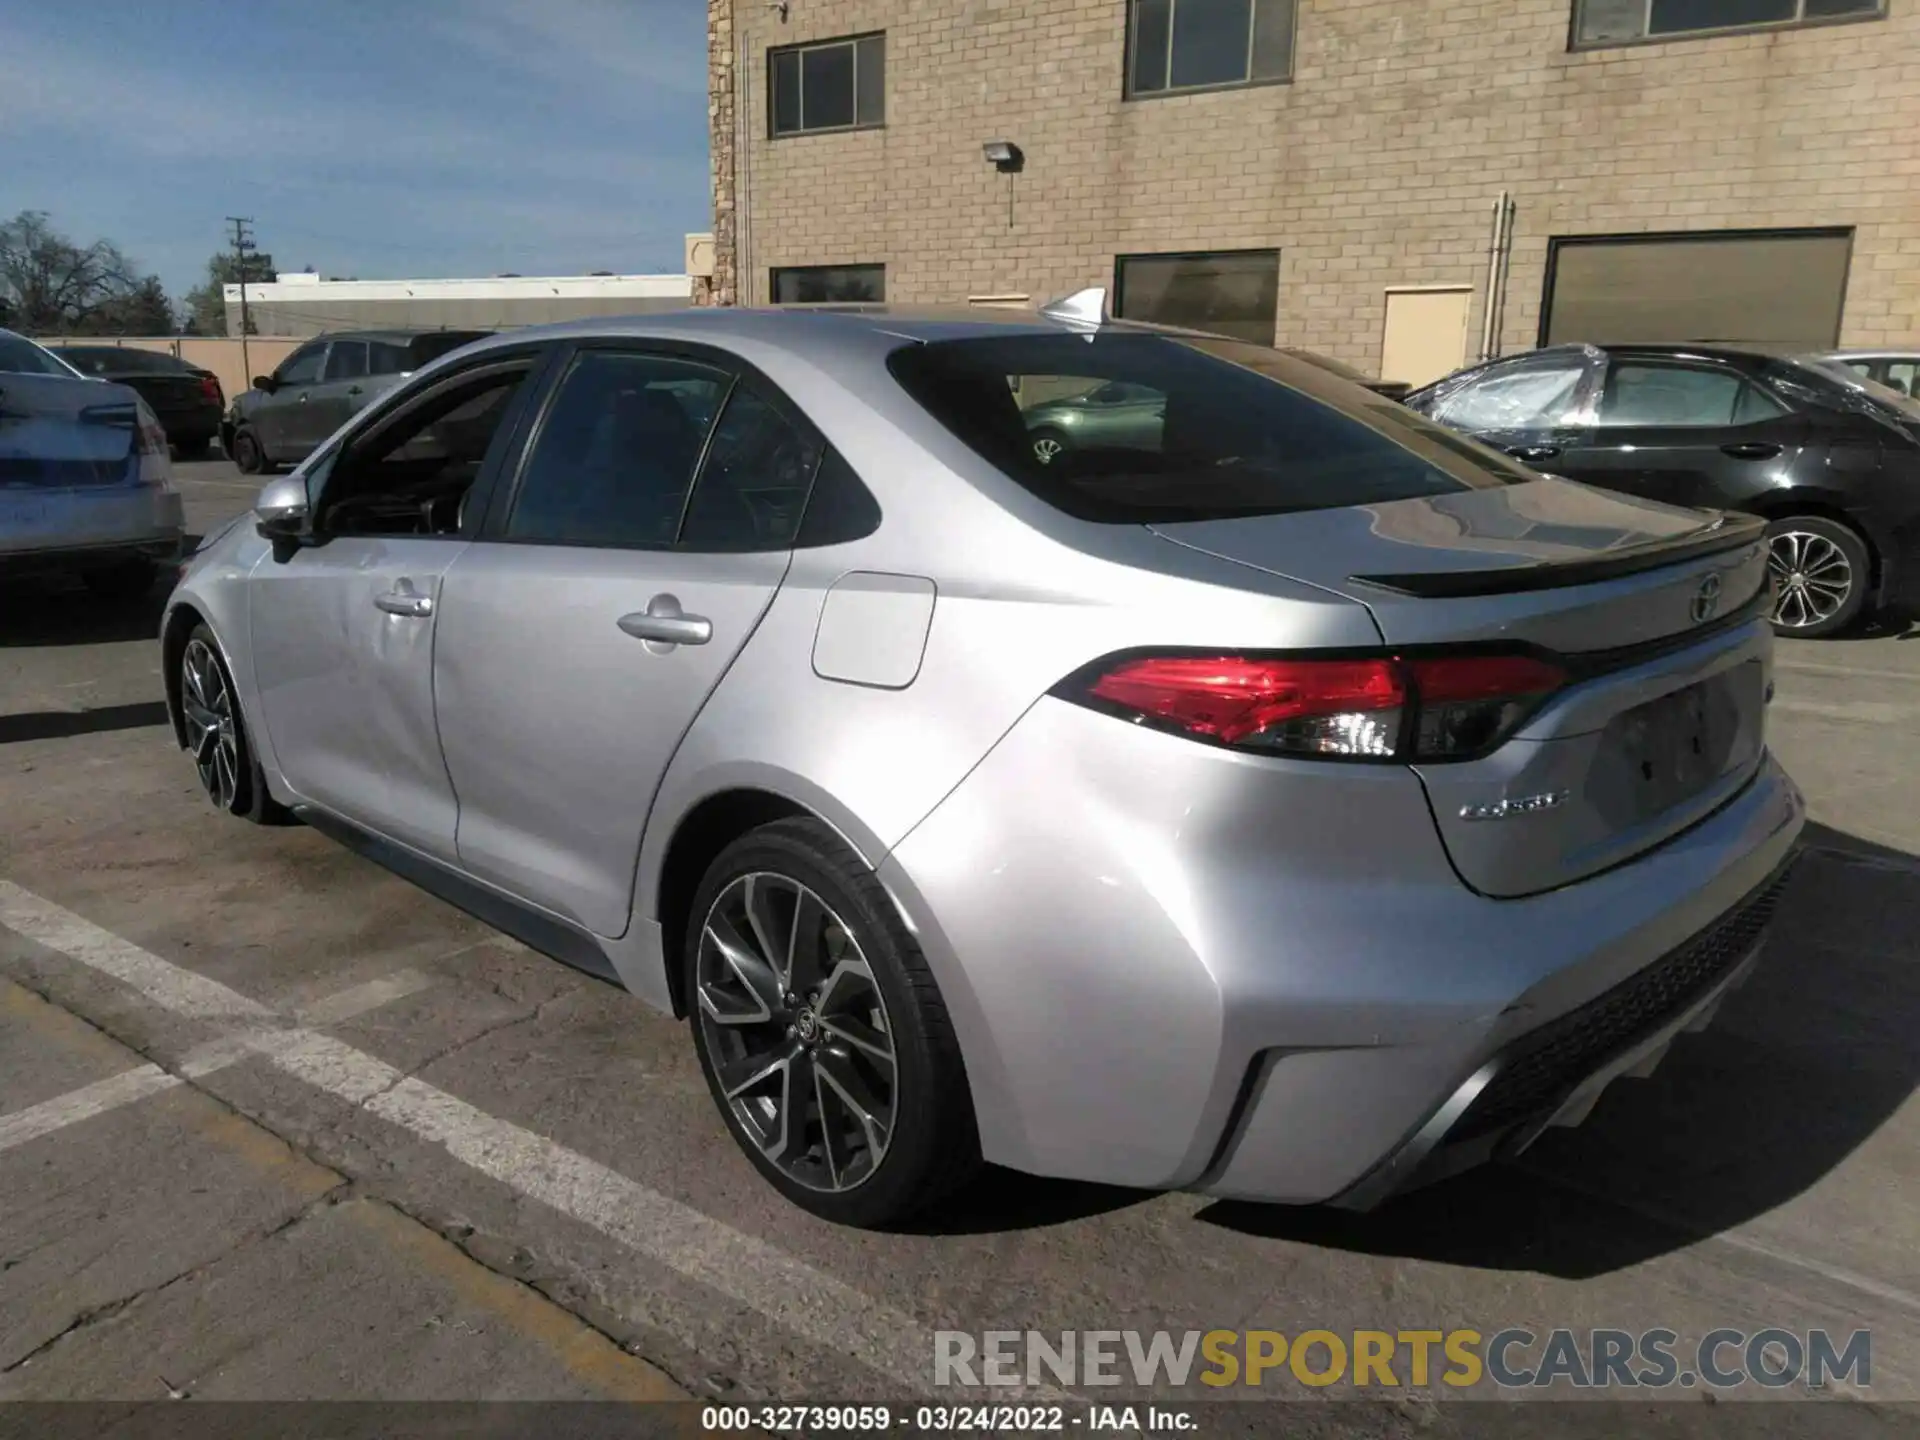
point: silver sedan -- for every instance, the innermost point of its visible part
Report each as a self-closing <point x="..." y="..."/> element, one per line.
<point x="1299" y="807"/>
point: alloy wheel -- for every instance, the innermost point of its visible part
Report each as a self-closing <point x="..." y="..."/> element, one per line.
<point x="797" y="1032"/>
<point x="1812" y="579"/>
<point x="1047" y="449"/>
<point x="206" y="704"/>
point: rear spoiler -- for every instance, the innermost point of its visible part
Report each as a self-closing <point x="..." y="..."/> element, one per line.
<point x="1724" y="532"/>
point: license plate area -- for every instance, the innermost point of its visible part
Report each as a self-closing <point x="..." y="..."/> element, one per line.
<point x="1663" y="753"/>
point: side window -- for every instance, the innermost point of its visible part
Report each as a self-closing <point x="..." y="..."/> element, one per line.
<point x="1648" y="394"/>
<point x="1904" y="376"/>
<point x="1521" y="399"/>
<point x="386" y="358"/>
<point x="302" y="367"/>
<point x="753" y="487"/>
<point x="840" y="508"/>
<point x="347" y="360"/>
<point x="1755" y="405"/>
<point x="410" y="475"/>
<point x="614" y="457"/>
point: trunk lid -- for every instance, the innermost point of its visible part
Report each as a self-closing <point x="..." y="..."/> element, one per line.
<point x="170" y="394"/>
<point x="1655" y="612"/>
<point x="61" y="433"/>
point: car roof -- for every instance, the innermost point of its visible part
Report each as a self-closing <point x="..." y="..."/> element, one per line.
<point x="828" y="335"/>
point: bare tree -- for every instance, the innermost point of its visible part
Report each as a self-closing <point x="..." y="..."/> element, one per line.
<point x="51" y="286"/>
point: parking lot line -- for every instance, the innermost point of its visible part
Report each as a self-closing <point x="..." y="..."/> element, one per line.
<point x="83" y="1104"/>
<point x="136" y="1084"/>
<point x="168" y="986"/>
<point x="802" y="1300"/>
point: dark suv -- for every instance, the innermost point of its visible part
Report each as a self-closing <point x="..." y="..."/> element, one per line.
<point x="1830" y="459"/>
<point x="287" y="414"/>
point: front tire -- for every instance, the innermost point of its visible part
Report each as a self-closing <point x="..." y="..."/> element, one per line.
<point x="217" y="736"/>
<point x="247" y="454"/>
<point x="1049" y="444"/>
<point x="821" y="1032"/>
<point x="1821" y="571"/>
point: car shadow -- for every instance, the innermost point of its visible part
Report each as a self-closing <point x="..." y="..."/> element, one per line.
<point x="1800" y="1067"/>
<point x="999" y="1200"/>
<point x="60" y="724"/>
<point x="54" y="610"/>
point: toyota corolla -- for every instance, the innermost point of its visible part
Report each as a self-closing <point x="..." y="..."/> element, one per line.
<point x="1299" y="806"/>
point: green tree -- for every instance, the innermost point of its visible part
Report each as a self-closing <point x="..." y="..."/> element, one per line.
<point x="207" y="304"/>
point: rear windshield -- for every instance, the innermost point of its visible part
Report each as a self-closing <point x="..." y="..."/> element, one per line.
<point x="1130" y="428"/>
<point x="104" y="360"/>
<point x="1851" y="389"/>
<point x="23" y="357"/>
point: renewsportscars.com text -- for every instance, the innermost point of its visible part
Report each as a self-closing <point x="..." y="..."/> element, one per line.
<point x="1512" y="1358"/>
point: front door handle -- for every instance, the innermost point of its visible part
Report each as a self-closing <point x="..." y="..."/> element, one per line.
<point x="1534" y="452"/>
<point x="663" y="625"/>
<point x="353" y="389"/>
<point x="1751" y="450"/>
<point x="403" y="599"/>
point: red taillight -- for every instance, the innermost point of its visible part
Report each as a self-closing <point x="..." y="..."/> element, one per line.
<point x="210" y="387"/>
<point x="1384" y="707"/>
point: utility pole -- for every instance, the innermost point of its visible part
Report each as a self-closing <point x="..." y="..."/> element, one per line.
<point x="242" y="248"/>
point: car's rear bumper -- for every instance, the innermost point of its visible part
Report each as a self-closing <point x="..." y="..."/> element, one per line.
<point x="81" y="528"/>
<point x="1176" y="967"/>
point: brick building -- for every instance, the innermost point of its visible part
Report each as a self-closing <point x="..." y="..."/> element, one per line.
<point x="1332" y="172"/>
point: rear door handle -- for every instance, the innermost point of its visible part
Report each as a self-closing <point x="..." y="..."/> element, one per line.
<point x="1534" y="452"/>
<point x="403" y="599"/>
<point x="353" y="390"/>
<point x="663" y="623"/>
<point x="1751" y="450"/>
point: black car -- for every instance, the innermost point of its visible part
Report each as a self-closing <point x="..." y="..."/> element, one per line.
<point x="1832" y="460"/>
<point x="186" y="399"/>
<point x="320" y="386"/>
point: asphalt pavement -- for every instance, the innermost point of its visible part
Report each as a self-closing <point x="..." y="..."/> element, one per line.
<point x="276" y="1125"/>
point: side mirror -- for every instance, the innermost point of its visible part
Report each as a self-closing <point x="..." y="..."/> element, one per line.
<point x="266" y="384"/>
<point x="281" y="512"/>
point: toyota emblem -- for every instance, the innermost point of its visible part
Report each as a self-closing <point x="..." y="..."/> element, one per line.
<point x="1706" y="600"/>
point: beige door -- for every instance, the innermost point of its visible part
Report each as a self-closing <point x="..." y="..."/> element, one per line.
<point x="1425" y="335"/>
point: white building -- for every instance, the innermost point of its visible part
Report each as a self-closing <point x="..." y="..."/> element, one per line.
<point x="299" y="305"/>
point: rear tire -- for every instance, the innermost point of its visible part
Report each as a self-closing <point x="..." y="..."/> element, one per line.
<point x="1821" y="572"/>
<point x="247" y="454"/>
<point x="124" y="583"/>
<point x="217" y="735"/>
<point x="790" y="1037"/>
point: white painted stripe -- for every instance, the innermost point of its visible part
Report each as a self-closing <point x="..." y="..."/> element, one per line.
<point x="807" y="1302"/>
<point x="83" y="1104"/>
<point x="132" y="1085"/>
<point x="359" y="999"/>
<point x="168" y="986"/>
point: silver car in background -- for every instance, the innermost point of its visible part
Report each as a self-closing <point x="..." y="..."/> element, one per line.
<point x="1298" y="808"/>
<point x="86" y="486"/>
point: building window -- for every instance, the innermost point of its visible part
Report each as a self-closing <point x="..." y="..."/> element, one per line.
<point x="1770" y="287"/>
<point x="835" y="85"/>
<point x="1175" y="45"/>
<point x="1617" y="22"/>
<point x="1235" y="292"/>
<point x="829" y="284"/>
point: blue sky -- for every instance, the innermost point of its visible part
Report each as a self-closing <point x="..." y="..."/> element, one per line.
<point x="377" y="138"/>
